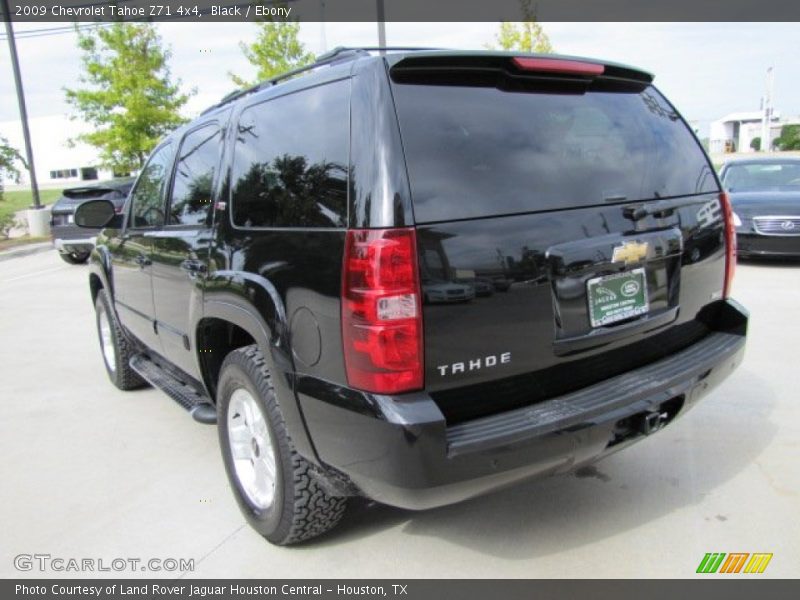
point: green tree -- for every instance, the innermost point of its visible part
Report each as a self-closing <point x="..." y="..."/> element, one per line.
<point x="127" y="93"/>
<point x="789" y="139"/>
<point x="755" y="144"/>
<point x="9" y="156"/>
<point x="525" y="36"/>
<point x="275" y="50"/>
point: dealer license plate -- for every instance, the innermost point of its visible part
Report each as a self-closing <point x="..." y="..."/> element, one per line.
<point x="617" y="297"/>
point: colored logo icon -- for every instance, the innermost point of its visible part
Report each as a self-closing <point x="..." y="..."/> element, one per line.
<point x="734" y="562"/>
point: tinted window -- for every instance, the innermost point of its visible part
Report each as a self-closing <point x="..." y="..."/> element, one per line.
<point x="291" y="160"/>
<point x="194" y="176"/>
<point x="148" y="195"/>
<point x="475" y="151"/>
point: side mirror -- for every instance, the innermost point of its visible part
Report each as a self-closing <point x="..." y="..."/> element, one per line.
<point x="95" y="214"/>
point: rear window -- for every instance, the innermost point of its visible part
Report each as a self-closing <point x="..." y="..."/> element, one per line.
<point x="290" y="167"/>
<point x="480" y="151"/>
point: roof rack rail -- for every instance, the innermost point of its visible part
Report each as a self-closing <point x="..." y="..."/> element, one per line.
<point x="366" y="49"/>
<point x="337" y="55"/>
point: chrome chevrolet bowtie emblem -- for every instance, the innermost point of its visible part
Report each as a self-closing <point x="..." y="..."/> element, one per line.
<point x="630" y="252"/>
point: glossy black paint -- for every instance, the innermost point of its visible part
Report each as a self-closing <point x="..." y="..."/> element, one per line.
<point x="550" y="256"/>
<point x="760" y="199"/>
<point x="405" y="457"/>
<point x="379" y="190"/>
<point x="753" y="243"/>
<point x="188" y="295"/>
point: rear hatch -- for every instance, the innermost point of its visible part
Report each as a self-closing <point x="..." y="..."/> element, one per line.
<point x="72" y="197"/>
<point x="64" y="208"/>
<point x="569" y="226"/>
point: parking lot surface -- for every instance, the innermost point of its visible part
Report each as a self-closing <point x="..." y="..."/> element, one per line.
<point x="87" y="471"/>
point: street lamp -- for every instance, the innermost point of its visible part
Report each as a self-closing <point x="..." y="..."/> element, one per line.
<point x="38" y="222"/>
<point x="381" y="25"/>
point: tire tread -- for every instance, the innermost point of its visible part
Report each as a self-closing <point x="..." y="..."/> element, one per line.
<point x="125" y="378"/>
<point x="310" y="510"/>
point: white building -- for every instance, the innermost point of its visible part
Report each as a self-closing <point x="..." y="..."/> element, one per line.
<point x="57" y="164"/>
<point x="736" y="131"/>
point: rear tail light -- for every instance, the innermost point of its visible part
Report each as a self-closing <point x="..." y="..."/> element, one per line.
<point x="556" y="65"/>
<point x="730" y="243"/>
<point x="381" y="311"/>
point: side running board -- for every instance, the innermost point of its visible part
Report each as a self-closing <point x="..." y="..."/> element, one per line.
<point x="198" y="404"/>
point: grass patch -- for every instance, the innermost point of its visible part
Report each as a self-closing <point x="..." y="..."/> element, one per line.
<point x="22" y="199"/>
<point x="21" y="241"/>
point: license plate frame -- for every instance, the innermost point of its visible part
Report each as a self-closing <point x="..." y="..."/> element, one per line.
<point x="617" y="297"/>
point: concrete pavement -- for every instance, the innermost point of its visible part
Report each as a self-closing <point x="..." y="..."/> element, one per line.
<point x="87" y="471"/>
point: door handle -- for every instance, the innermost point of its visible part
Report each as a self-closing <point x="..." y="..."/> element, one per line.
<point x="142" y="261"/>
<point x="193" y="267"/>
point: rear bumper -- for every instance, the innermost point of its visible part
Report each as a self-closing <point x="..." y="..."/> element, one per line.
<point x="400" y="451"/>
<point x="71" y="238"/>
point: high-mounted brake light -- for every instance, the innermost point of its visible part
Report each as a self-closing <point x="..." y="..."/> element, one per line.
<point x="557" y="65"/>
<point x="382" y="311"/>
<point x="730" y="243"/>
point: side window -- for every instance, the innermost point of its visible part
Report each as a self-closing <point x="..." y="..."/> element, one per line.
<point x="197" y="162"/>
<point x="291" y="160"/>
<point x="147" y="198"/>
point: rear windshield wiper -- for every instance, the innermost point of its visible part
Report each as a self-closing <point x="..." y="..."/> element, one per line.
<point x="656" y="208"/>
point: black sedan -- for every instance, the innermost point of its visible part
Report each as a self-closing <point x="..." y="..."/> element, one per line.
<point x="71" y="241"/>
<point x="765" y="194"/>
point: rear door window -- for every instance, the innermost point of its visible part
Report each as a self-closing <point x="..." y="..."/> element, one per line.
<point x="481" y="151"/>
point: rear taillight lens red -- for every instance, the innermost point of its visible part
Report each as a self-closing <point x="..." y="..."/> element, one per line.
<point x="557" y="65"/>
<point x="381" y="311"/>
<point x="730" y="243"/>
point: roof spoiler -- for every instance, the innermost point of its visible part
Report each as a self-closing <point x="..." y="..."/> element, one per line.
<point x="69" y="192"/>
<point x="519" y="65"/>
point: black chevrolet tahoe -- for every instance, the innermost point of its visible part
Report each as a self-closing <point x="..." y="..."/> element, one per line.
<point x="268" y="270"/>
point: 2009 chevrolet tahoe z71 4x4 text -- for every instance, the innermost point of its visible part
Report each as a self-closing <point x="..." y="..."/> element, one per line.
<point x="419" y="276"/>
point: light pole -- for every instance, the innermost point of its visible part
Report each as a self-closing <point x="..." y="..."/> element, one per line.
<point x="766" y="119"/>
<point x="322" y="34"/>
<point x="23" y="112"/>
<point x="381" y="25"/>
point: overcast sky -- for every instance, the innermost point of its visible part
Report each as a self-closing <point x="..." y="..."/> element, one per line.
<point x="706" y="69"/>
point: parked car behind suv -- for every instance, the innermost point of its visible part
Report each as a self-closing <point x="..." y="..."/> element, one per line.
<point x="73" y="243"/>
<point x="266" y="275"/>
<point x="765" y="197"/>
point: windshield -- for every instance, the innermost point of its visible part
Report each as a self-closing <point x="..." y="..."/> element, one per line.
<point x="772" y="176"/>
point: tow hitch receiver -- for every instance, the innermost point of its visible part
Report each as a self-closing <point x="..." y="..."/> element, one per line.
<point x="647" y="423"/>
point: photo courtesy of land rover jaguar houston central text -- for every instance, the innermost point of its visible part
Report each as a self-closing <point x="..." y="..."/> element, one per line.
<point x="418" y="276"/>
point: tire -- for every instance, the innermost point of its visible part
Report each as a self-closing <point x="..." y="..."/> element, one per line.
<point x="297" y="509"/>
<point x="115" y="348"/>
<point x="74" y="258"/>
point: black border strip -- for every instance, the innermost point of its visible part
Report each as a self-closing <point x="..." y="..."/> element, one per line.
<point x="730" y="587"/>
<point x="403" y="10"/>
